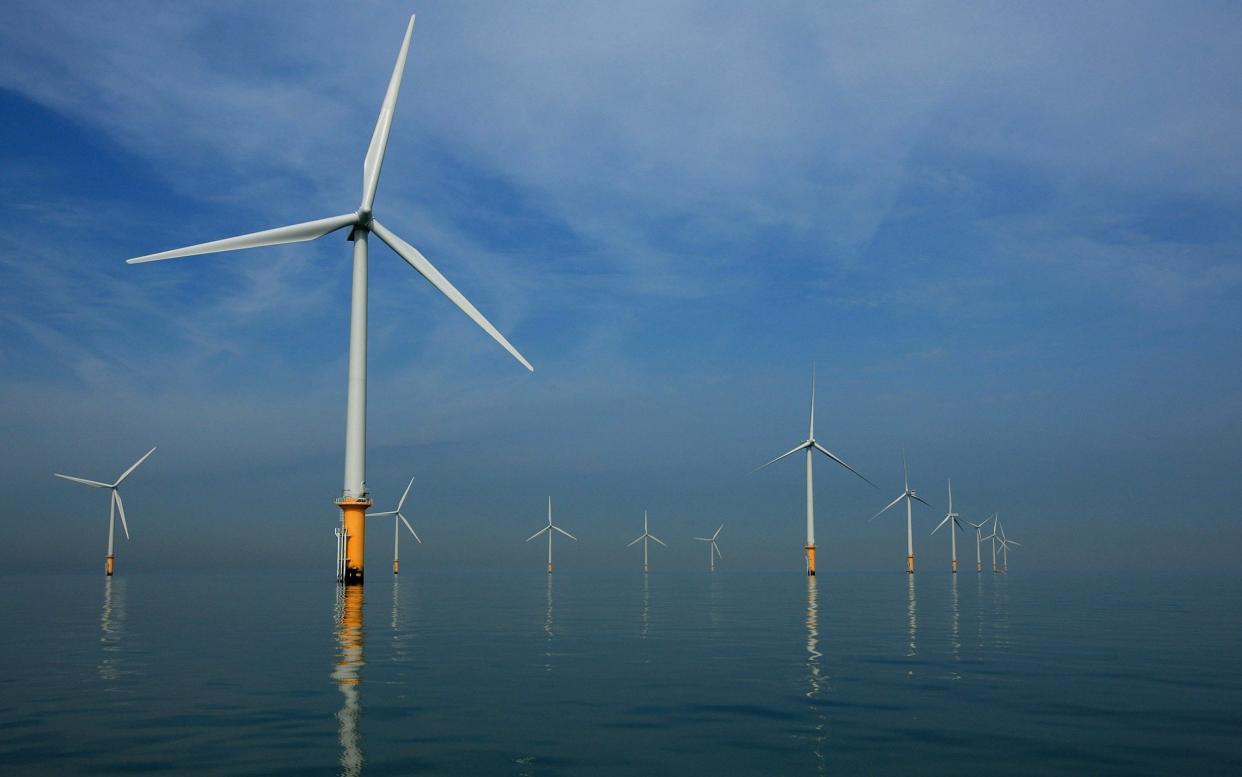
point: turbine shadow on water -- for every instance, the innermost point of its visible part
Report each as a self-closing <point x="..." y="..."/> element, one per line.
<point x="349" y="662"/>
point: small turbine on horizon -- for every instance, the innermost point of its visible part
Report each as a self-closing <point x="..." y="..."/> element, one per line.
<point x="646" y="535"/>
<point x="355" y="498"/>
<point x="114" y="504"/>
<point x="998" y="535"/>
<point x="712" y="549"/>
<point x="810" y="446"/>
<point x="951" y="516"/>
<point x="397" y="520"/>
<point x="911" y="497"/>
<point x="978" y="527"/>
<point x="549" y="529"/>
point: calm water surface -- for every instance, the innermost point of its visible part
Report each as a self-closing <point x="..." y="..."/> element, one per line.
<point x="516" y="673"/>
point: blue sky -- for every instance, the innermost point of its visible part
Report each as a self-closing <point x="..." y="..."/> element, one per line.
<point x="1007" y="235"/>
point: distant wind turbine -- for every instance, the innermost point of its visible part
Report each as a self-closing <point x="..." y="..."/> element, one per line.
<point x="549" y="529"/>
<point x="1005" y="542"/>
<point x="646" y="535"/>
<point x="911" y="497"/>
<point x="951" y="516"/>
<point x="712" y="549"/>
<point x="992" y="537"/>
<point x="397" y="520"/>
<point x="114" y="505"/>
<point x="978" y="527"/>
<point x="810" y="446"/>
<point x="355" y="498"/>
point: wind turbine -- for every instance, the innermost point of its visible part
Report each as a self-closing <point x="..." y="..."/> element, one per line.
<point x="951" y="516"/>
<point x="712" y="549"/>
<point x="646" y="535"/>
<point x="115" y="505"/>
<point x="397" y="520"/>
<point x="1005" y="542"/>
<point x="355" y="499"/>
<point x="911" y="497"/>
<point x="992" y="537"/>
<point x="549" y="529"/>
<point x="810" y="446"/>
<point x="978" y="527"/>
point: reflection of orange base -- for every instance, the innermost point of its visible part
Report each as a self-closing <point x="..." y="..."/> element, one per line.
<point x="395" y="566"/>
<point x="955" y="566"/>
<point x="910" y="564"/>
<point x="810" y="560"/>
<point x="108" y="566"/>
<point x="354" y="516"/>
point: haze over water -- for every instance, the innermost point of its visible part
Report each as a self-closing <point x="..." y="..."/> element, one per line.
<point x="614" y="673"/>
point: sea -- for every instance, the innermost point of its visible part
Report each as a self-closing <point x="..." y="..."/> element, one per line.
<point x="586" y="672"/>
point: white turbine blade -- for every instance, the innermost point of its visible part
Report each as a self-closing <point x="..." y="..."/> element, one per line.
<point x="381" y="515"/>
<point x="403" y="496"/>
<point x="125" y="474"/>
<point x="905" y="470"/>
<point x="120" y="508"/>
<point x="639" y="538"/>
<point x="411" y="528"/>
<point x="834" y="457"/>
<point x="950" y="496"/>
<point x="703" y="539"/>
<point x="1014" y="542"/>
<point x="990" y="536"/>
<point x="717" y="534"/>
<point x="942" y="523"/>
<point x="536" y="534"/>
<point x="921" y="499"/>
<point x="94" y="483"/>
<point x="379" y="138"/>
<point x="297" y="233"/>
<point x="567" y="534"/>
<point x="716" y="548"/>
<point x="419" y="262"/>
<point x="801" y="446"/>
<point x="890" y="504"/>
<point x="657" y="539"/>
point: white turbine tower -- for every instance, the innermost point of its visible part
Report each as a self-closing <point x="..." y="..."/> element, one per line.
<point x="911" y="497"/>
<point x="549" y="529"/>
<point x="810" y="446"/>
<point x="992" y="537"/>
<point x="978" y="527"/>
<point x="362" y="223"/>
<point x="713" y="550"/>
<point x="397" y="520"/>
<point x="646" y="535"/>
<point x="951" y="516"/>
<point x="115" y="505"/>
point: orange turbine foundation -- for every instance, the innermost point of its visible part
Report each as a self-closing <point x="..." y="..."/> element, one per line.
<point x="108" y="563"/>
<point x="354" y="516"/>
<point x="810" y="560"/>
<point x="910" y="564"/>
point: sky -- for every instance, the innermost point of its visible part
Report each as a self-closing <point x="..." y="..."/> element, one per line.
<point x="1007" y="236"/>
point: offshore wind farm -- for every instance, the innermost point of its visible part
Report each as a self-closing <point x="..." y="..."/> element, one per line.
<point x="1000" y="239"/>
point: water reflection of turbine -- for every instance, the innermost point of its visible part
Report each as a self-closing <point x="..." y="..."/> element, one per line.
<point x="646" y="607"/>
<point x="955" y="629"/>
<point x="111" y="628"/>
<point x="549" y="634"/>
<point x="349" y="640"/>
<point x="815" y="671"/>
<point x="912" y="616"/>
